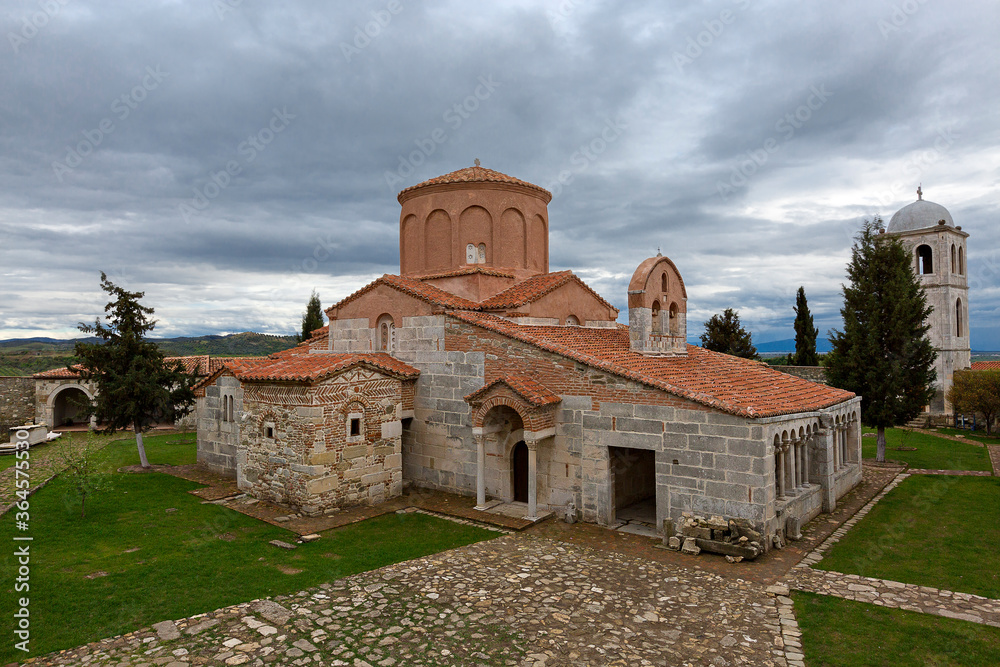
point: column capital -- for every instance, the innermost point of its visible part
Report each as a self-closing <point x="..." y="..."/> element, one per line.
<point x="531" y="443"/>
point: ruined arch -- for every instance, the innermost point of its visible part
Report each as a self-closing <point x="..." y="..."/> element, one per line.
<point x="925" y="259"/>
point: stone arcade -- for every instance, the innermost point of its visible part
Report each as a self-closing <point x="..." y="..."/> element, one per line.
<point x="478" y="371"/>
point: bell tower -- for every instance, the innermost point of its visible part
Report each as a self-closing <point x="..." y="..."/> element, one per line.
<point x="938" y="250"/>
<point x="657" y="308"/>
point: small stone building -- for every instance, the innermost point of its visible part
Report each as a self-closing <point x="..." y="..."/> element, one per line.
<point x="308" y="428"/>
<point x="517" y="385"/>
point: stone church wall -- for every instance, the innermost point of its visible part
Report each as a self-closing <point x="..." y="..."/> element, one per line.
<point x="17" y="403"/>
<point x="218" y="438"/>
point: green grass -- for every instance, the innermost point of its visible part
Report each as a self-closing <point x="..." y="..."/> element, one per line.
<point x="854" y="634"/>
<point x="154" y="552"/>
<point x="932" y="530"/>
<point x="931" y="452"/>
<point x="973" y="435"/>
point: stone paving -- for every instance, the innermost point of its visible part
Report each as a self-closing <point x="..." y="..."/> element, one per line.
<point x="515" y="600"/>
<point x="994" y="451"/>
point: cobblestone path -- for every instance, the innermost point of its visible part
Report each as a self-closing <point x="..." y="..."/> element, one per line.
<point x="994" y="451"/>
<point x="516" y="600"/>
<point x="885" y="593"/>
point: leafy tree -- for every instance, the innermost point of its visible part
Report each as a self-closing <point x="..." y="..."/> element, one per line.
<point x="80" y="469"/>
<point x="725" y="334"/>
<point x="312" y="319"/>
<point x="976" y="392"/>
<point x="884" y="353"/>
<point x="135" y="388"/>
<point x="805" y="332"/>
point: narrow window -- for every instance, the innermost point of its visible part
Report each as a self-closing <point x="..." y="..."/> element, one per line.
<point x="385" y="334"/>
<point x="482" y="253"/>
<point x="269" y="432"/>
<point x="961" y="262"/>
<point x="675" y="323"/>
<point x="663" y="283"/>
<point x="925" y="259"/>
<point x="954" y="264"/>
<point x="470" y="254"/>
<point x="355" y="426"/>
<point x="958" y="318"/>
<point x="225" y="408"/>
<point x="656" y="317"/>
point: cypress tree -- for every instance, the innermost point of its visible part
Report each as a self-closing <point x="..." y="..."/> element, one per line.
<point x="883" y="353"/>
<point x="312" y="319"/>
<point x="135" y="388"/>
<point x="725" y="334"/>
<point x="805" y="332"/>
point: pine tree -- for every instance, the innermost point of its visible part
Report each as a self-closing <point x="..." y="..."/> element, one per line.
<point x="805" y="332"/>
<point x="725" y="334"/>
<point x="135" y="388"/>
<point x="884" y="353"/>
<point x="312" y="319"/>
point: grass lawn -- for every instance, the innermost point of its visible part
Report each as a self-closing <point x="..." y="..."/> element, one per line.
<point x="973" y="435"/>
<point x="932" y="530"/>
<point x="931" y="452"/>
<point x="854" y="634"/>
<point x="149" y="551"/>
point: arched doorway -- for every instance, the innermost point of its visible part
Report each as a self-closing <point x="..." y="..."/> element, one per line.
<point x="67" y="407"/>
<point x="519" y="471"/>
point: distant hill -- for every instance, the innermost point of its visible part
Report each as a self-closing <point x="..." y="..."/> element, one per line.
<point x="26" y="356"/>
<point x="788" y="345"/>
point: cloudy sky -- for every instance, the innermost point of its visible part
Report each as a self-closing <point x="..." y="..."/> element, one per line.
<point x="227" y="157"/>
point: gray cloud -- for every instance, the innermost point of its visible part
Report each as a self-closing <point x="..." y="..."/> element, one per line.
<point x="163" y="97"/>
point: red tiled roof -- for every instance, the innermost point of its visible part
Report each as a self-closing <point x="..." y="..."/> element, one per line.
<point x="197" y="365"/>
<point x="534" y="288"/>
<point x="474" y="175"/>
<point x="468" y="271"/>
<point x="414" y="288"/>
<point x="986" y="365"/>
<point x="313" y="367"/>
<point x="526" y="388"/>
<point x="731" y="384"/>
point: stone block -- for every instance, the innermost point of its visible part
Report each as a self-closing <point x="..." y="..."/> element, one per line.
<point x="617" y="410"/>
<point x="323" y="458"/>
<point x="597" y="423"/>
<point x="631" y="440"/>
<point x="375" y="478"/>
<point x="638" y="425"/>
<point x="322" y="484"/>
<point x="707" y="443"/>
<point x="307" y="469"/>
<point x="660" y="413"/>
<point x="680" y="427"/>
<point x="674" y="542"/>
<point x="355" y="451"/>
<point x="690" y="547"/>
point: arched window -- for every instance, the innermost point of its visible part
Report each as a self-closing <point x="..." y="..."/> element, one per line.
<point x="663" y="283"/>
<point x="675" y="323"/>
<point x="572" y="321"/>
<point x="961" y="261"/>
<point x="925" y="259"/>
<point x="656" y="317"/>
<point x="385" y="333"/>
<point x="954" y="264"/>
<point x="232" y="403"/>
<point x="958" y="318"/>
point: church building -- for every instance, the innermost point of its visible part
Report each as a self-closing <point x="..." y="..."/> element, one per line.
<point x="478" y="371"/>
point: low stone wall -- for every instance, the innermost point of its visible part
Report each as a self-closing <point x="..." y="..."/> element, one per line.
<point x="813" y="373"/>
<point x="17" y="402"/>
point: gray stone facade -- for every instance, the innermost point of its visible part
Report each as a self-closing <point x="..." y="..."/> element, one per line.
<point x="218" y="437"/>
<point x="17" y="402"/>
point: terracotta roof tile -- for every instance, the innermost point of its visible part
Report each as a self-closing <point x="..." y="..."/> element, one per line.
<point x="199" y="365"/>
<point x="414" y="288"/>
<point x="534" y="288"/>
<point x="312" y="367"/>
<point x="467" y="271"/>
<point x="473" y="175"/>
<point x="731" y="384"/>
<point x="986" y="365"/>
<point x="526" y="388"/>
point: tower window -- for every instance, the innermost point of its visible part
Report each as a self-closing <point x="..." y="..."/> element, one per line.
<point x="385" y="332"/>
<point x="657" y="326"/>
<point x="925" y="259"/>
<point x="663" y="283"/>
<point x="961" y="261"/>
<point x="675" y="323"/>
<point x="954" y="264"/>
<point x="958" y="318"/>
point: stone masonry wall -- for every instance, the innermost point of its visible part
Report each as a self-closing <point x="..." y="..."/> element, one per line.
<point x="17" y="403"/>
<point x="218" y="438"/>
<point x="298" y="447"/>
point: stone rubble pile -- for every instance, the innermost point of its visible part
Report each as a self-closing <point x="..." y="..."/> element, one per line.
<point x="735" y="538"/>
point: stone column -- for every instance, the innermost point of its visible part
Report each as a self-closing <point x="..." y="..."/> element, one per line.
<point x="779" y="469"/>
<point x="480" y="468"/>
<point x="789" y="470"/>
<point x="532" y="479"/>
<point x="797" y="445"/>
<point x="806" y="444"/>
